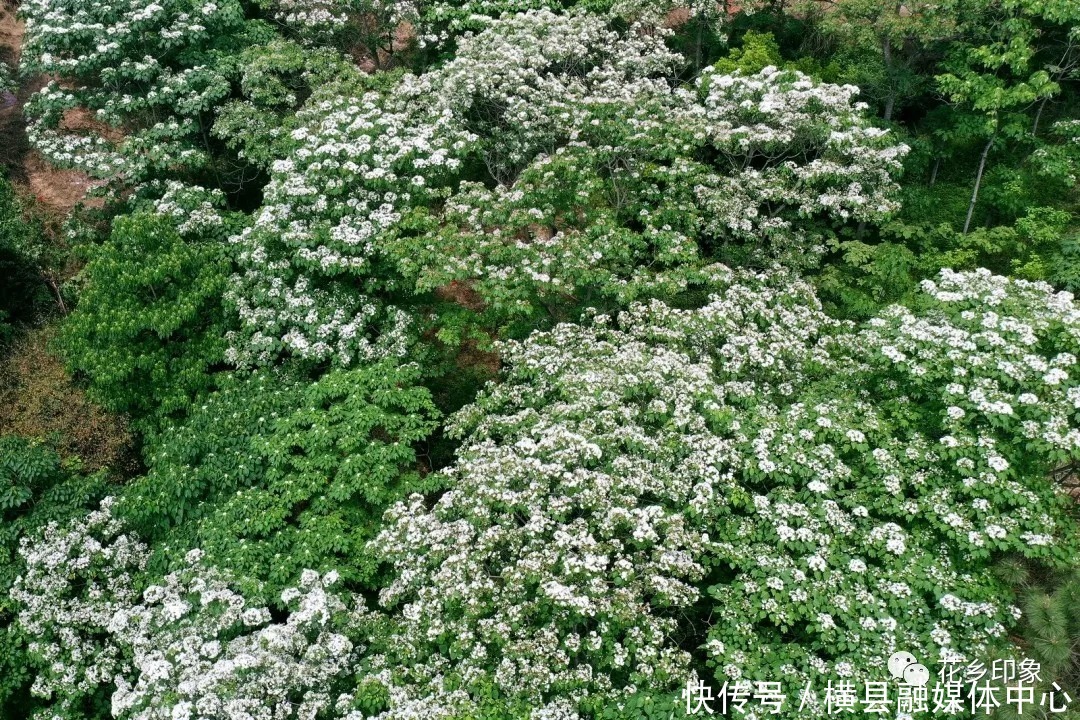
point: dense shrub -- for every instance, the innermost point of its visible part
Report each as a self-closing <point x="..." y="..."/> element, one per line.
<point x="150" y="324"/>
<point x="270" y="477"/>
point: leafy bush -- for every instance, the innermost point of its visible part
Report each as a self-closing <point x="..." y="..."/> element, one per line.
<point x="150" y="324"/>
<point x="22" y="292"/>
<point x="270" y="477"/>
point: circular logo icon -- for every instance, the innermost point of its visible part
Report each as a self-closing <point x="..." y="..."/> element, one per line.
<point x="916" y="675"/>
<point x="899" y="662"/>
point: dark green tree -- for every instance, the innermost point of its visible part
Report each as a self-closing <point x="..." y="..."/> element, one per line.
<point x="271" y="476"/>
<point x="150" y="324"/>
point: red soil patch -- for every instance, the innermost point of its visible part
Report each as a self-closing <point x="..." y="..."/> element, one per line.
<point x="677" y="17"/>
<point x="58" y="190"/>
<point x="365" y="58"/>
<point x="461" y="293"/>
<point x="472" y="358"/>
<point x="82" y="122"/>
<point x="11" y="33"/>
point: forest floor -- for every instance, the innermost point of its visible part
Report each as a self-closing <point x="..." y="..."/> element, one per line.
<point x="39" y="399"/>
<point x="57" y="190"/>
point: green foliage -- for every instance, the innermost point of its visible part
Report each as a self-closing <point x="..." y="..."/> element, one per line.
<point x="1049" y="630"/>
<point x="646" y="705"/>
<point x="208" y="454"/>
<point x="863" y="276"/>
<point x="22" y="254"/>
<point x="990" y="68"/>
<point x="7" y="79"/>
<point x="758" y="51"/>
<point x="270" y="476"/>
<point x="150" y="323"/>
<point x="275" y="79"/>
<point x="993" y="74"/>
<point x="885" y="47"/>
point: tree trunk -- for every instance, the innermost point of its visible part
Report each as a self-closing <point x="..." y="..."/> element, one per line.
<point x="978" y="180"/>
<point x="52" y="284"/>
<point x="890" y="101"/>
<point x="698" y="42"/>
<point x="934" y="172"/>
<point x="1035" y="125"/>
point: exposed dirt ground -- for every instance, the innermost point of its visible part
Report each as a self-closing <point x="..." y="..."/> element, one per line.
<point x="58" y="190"/>
<point x="404" y="36"/>
<point x="38" y="399"/>
<point x="12" y="137"/>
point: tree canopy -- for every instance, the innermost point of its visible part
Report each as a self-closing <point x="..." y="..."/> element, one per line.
<point x="541" y="360"/>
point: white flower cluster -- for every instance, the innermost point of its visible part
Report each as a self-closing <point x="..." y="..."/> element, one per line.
<point x="311" y="15"/>
<point x="984" y="344"/>
<point x="188" y="648"/>
<point x="196" y="209"/>
<point x="110" y="53"/>
<point x="879" y="521"/>
<point x="7" y="84"/>
<point x="794" y="146"/>
<point x="532" y="82"/>
<point x="348" y="181"/>
<point x="315" y="19"/>
<point x="557" y="562"/>
<point x="200" y="651"/>
<point x="620" y="459"/>
<point x="440" y="21"/>
<point x="583" y="132"/>
<point x="77" y="577"/>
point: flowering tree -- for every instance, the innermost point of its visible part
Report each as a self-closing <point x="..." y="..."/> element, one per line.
<point x="555" y="163"/>
<point x="201" y="650"/>
<point x="628" y="209"/>
<point x="188" y="647"/>
<point x="77" y="575"/>
<point x="646" y="496"/>
<point x="150" y="75"/>
<point x="437" y="25"/>
<point x="35" y="488"/>
<point x="632" y="478"/>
